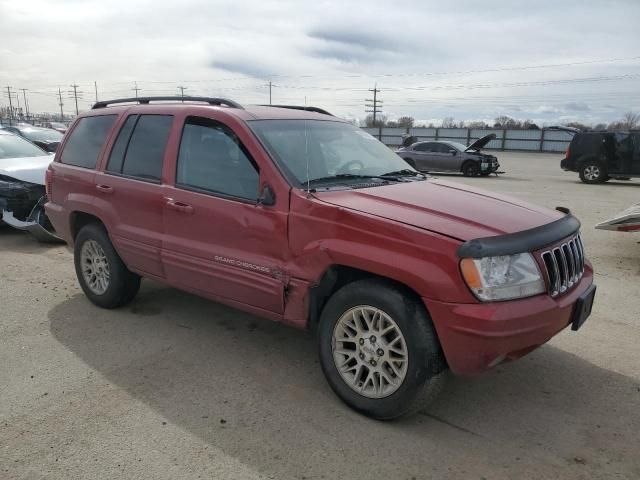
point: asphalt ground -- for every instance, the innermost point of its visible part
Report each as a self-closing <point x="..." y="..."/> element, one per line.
<point x="174" y="386"/>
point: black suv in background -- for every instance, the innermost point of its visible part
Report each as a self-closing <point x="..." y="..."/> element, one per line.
<point x="600" y="156"/>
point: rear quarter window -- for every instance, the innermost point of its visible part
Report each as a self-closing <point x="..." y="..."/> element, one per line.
<point x="86" y="140"/>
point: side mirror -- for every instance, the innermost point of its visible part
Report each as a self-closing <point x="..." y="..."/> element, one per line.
<point x="453" y="152"/>
<point x="267" y="197"/>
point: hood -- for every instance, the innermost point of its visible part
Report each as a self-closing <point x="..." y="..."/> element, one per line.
<point x="481" y="142"/>
<point x="26" y="169"/>
<point x="450" y="209"/>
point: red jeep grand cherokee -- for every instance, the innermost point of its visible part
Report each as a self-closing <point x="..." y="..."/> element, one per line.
<point x="295" y="215"/>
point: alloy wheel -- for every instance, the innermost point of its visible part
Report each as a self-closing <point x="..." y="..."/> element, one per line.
<point x="370" y="352"/>
<point x="95" y="267"/>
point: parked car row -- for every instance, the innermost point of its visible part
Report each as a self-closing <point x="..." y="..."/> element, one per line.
<point x="46" y="138"/>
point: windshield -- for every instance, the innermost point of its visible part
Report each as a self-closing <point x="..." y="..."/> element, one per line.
<point x="42" y="134"/>
<point x="12" y="146"/>
<point x="333" y="149"/>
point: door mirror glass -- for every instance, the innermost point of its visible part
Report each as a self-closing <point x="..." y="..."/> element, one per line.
<point x="267" y="196"/>
<point x="453" y="152"/>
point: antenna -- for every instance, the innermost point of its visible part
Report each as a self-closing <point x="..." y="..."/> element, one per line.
<point x="306" y="145"/>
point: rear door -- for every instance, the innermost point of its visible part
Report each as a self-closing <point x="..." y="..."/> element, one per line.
<point x="442" y="158"/>
<point x="129" y="191"/>
<point x="218" y="241"/>
<point x="422" y="155"/>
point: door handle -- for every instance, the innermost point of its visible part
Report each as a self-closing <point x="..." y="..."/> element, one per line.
<point x="104" y="188"/>
<point x="178" y="206"/>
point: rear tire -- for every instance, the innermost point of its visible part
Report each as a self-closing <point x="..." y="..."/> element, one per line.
<point x="470" y="169"/>
<point x="592" y="172"/>
<point x="104" y="278"/>
<point x="358" y="367"/>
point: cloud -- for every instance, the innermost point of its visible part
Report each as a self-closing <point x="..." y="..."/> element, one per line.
<point x="577" y="107"/>
<point x="249" y="69"/>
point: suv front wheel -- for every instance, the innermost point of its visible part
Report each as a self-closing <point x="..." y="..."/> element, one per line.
<point x="592" y="171"/>
<point x="379" y="350"/>
<point x="104" y="278"/>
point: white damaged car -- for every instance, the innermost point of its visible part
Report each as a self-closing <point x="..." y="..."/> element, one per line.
<point x="23" y="166"/>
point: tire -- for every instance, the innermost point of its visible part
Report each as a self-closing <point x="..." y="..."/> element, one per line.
<point x="119" y="286"/>
<point x="421" y="378"/>
<point x="592" y="171"/>
<point x="470" y="169"/>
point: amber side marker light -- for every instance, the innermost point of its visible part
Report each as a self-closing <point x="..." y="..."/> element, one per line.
<point x="470" y="273"/>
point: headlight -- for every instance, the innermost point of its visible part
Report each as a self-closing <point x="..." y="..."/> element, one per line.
<point x="503" y="278"/>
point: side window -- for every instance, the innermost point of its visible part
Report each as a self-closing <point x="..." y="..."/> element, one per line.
<point x="422" y="147"/>
<point x="442" y="148"/>
<point x="116" y="159"/>
<point x="212" y="159"/>
<point x="139" y="149"/>
<point x="86" y="140"/>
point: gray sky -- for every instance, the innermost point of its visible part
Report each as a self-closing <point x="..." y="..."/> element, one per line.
<point x="431" y="59"/>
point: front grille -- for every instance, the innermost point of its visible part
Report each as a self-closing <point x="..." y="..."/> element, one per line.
<point x="565" y="265"/>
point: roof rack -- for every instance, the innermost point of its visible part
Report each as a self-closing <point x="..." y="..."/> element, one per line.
<point x="301" y="107"/>
<point x="146" y="100"/>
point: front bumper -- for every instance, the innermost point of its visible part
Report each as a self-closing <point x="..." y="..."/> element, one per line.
<point x="490" y="166"/>
<point x="478" y="336"/>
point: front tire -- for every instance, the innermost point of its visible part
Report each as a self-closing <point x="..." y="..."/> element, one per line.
<point x="592" y="171"/>
<point x="104" y="278"/>
<point x="470" y="169"/>
<point x="379" y="350"/>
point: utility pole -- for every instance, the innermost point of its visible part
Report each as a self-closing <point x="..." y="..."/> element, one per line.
<point x="95" y="84"/>
<point x="270" y="92"/>
<point x="10" y="105"/>
<point x="61" y="104"/>
<point x="182" y="89"/>
<point x="75" y="95"/>
<point x="136" y="89"/>
<point x="26" y="105"/>
<point x="374" y="106"/>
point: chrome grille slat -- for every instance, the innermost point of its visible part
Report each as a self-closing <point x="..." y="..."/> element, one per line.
<point x="564" y="265"/>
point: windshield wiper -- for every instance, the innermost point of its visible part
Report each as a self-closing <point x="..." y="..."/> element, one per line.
<point x="405" y="172"/>
<point x="347" y="176"/>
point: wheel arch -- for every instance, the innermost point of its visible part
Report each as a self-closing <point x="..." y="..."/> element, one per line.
<point x="337" y="276"/>
<point x="79" y="219"/>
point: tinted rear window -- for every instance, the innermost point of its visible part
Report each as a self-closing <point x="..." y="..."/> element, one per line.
<point x="86" y="140"/>
<point x="145" y="151"/>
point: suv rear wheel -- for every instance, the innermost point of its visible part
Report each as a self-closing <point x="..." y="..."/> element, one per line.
<point x="379" y="350"/>
<point x="104" y="278"/>
<point x="592" y="171"/>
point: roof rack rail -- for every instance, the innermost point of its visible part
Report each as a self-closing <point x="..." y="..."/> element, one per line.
<point x="301" y="107"/>
<point x="146" y="100"/>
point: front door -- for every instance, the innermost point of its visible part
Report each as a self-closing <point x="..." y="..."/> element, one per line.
<point x="219" y="241"/>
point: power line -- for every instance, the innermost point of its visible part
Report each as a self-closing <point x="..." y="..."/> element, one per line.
<point x="136" y="89"/>
<point x="26" y="105"/>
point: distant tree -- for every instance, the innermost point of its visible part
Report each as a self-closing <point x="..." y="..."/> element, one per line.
<point x="630" y="120"/>
<point x="600" y="126"/>
<point x="381" y="120"/>
<point x="406" y="122"/>
<point x="504" y="121"/>
<point x="392" y="124"/>
<point x="477" y="124"/>
<point x="448" y="122"/>
<point x="529" y="125"/>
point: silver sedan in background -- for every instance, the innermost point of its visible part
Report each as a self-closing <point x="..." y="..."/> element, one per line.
<point x="446" y="156"/>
